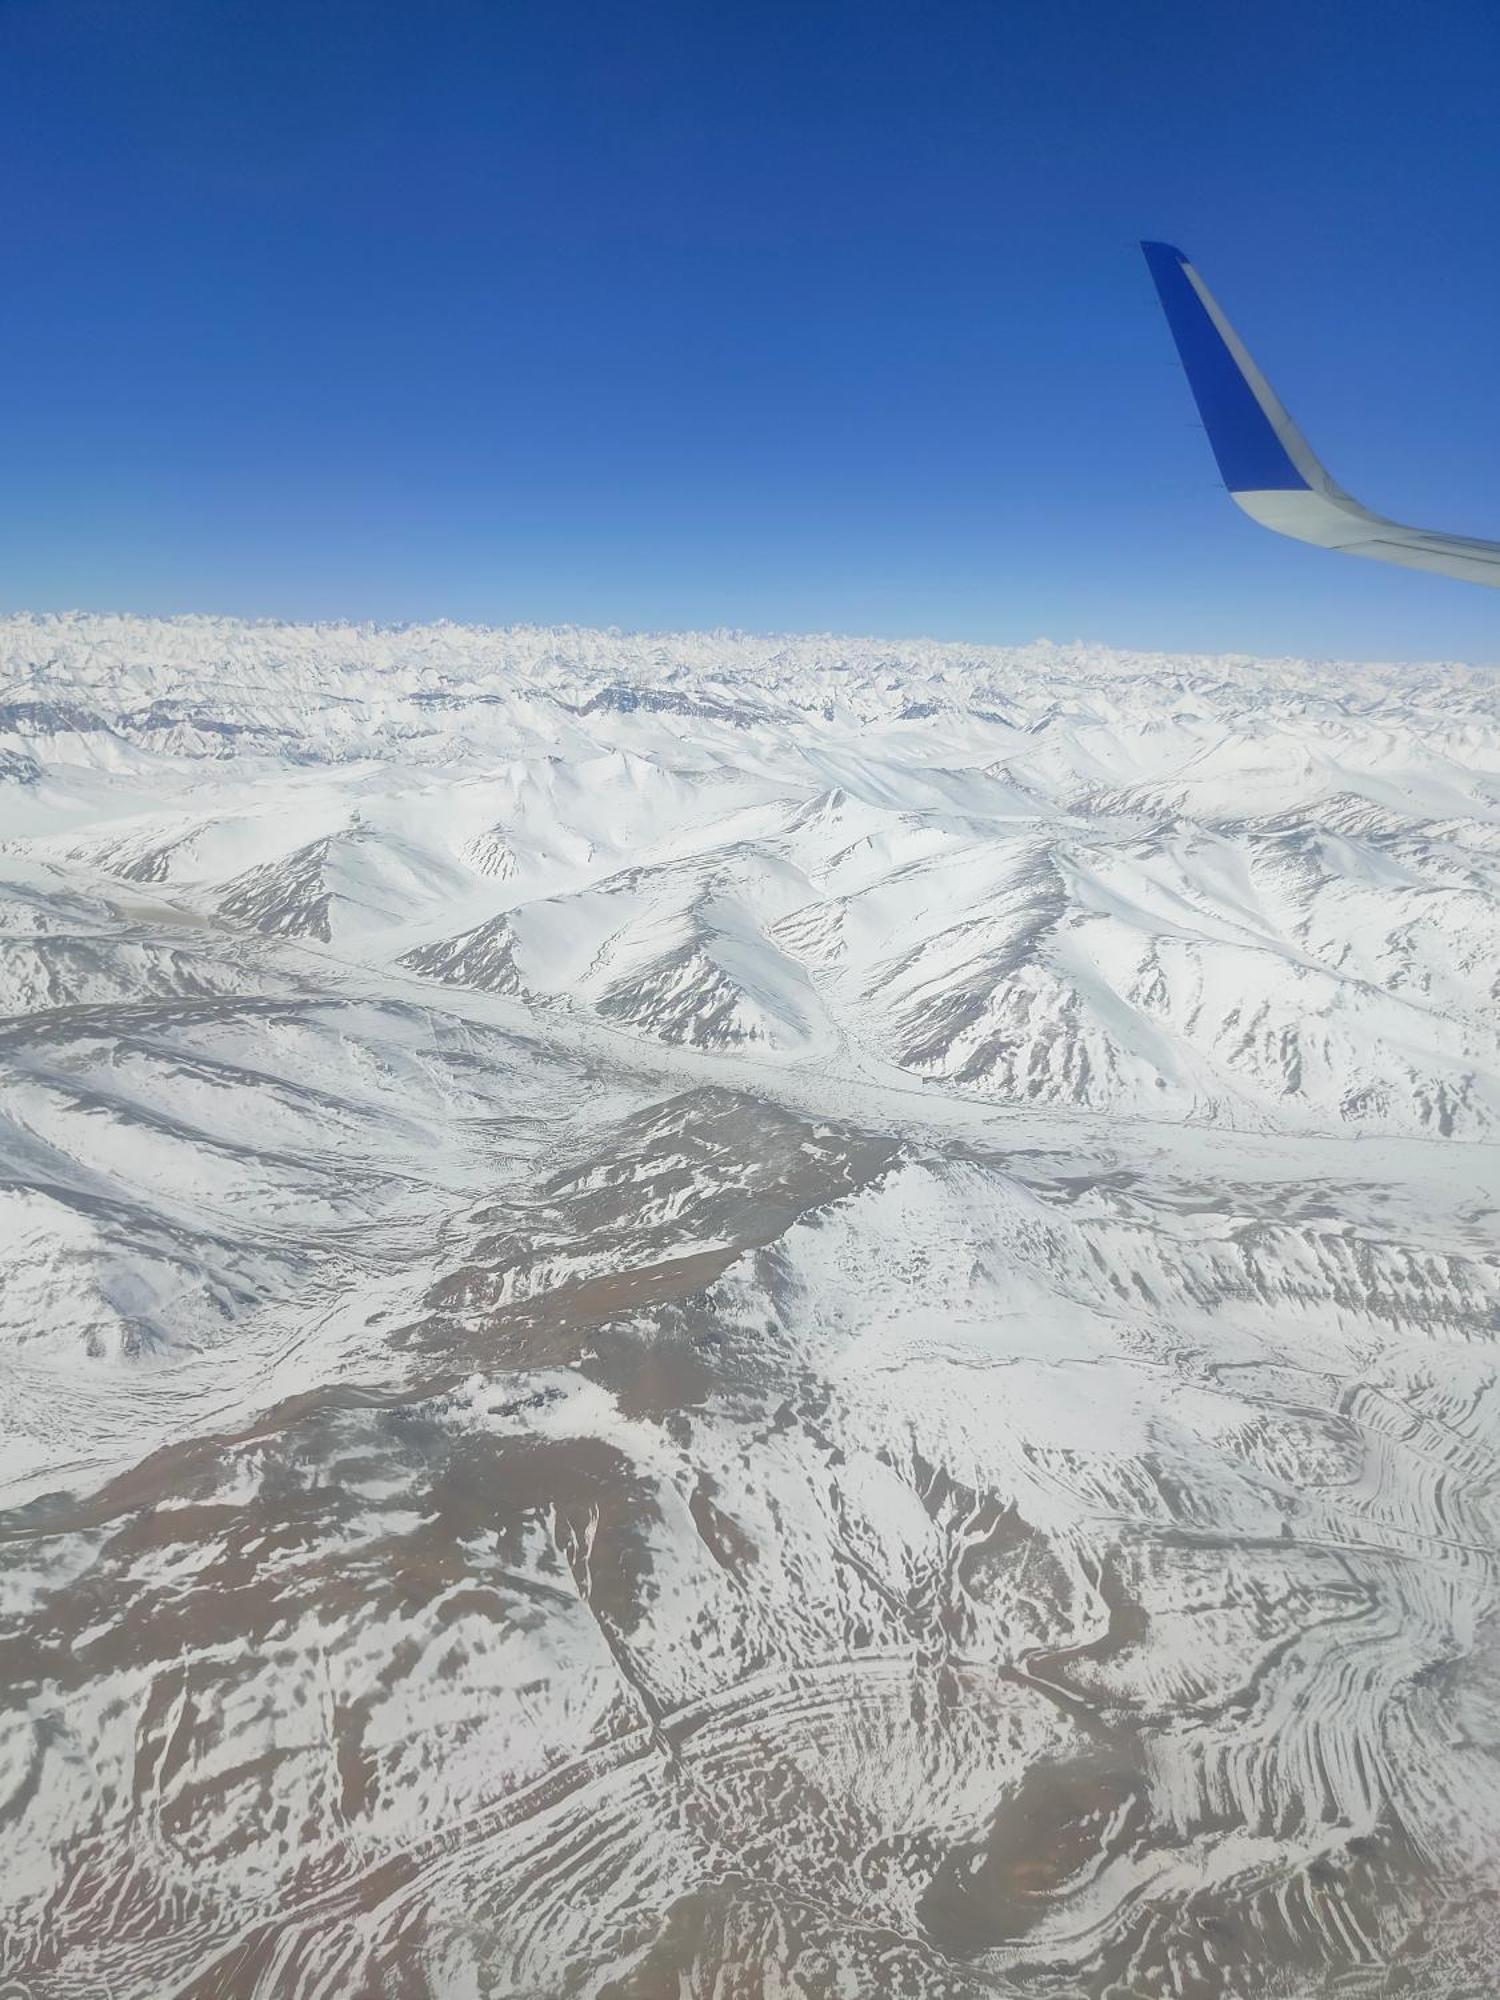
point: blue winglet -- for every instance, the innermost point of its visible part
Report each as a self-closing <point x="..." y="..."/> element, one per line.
<point x="1251" y="456"/>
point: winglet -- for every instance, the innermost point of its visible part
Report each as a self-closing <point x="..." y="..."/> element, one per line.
<point x="1268" y="464"/>
<point x="1257" y="445"/>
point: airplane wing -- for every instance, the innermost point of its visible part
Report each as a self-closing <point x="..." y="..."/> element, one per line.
<point x="1265" y="460"/>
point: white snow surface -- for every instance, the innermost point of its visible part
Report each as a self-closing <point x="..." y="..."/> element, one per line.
<point x="1250" y="894"/>
<point x="713" y="1314"/>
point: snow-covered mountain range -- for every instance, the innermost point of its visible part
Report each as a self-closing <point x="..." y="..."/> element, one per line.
<point x="710" y="1314"/>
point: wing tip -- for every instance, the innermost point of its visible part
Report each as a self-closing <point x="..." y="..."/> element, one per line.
<point x="1158" y="255"/>
<point x="1251" y="451"/>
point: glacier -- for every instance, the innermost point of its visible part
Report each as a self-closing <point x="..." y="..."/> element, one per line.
<point x="704" y="1314"/>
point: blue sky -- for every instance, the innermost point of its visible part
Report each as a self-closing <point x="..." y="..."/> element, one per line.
<point x="812" y="316"/>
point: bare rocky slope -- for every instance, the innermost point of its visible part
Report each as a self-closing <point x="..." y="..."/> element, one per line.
<point x="702" y="1314"/>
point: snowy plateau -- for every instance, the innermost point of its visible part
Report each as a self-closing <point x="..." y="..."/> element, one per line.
<point x="744" y="1319"/>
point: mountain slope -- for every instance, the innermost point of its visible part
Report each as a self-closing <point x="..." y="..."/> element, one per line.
<point x="698" y="1314"/>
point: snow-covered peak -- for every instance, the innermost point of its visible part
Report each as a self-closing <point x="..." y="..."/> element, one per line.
<point x="698" y="1312"/>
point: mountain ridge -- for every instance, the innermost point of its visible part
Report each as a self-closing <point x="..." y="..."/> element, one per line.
<point x="656" y="1287"/>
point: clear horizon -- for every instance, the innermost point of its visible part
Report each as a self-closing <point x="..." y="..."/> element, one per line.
<point x="809" y="634"/>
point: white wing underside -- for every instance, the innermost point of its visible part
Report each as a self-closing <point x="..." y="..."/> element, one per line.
<point x="1353" y="530"/>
